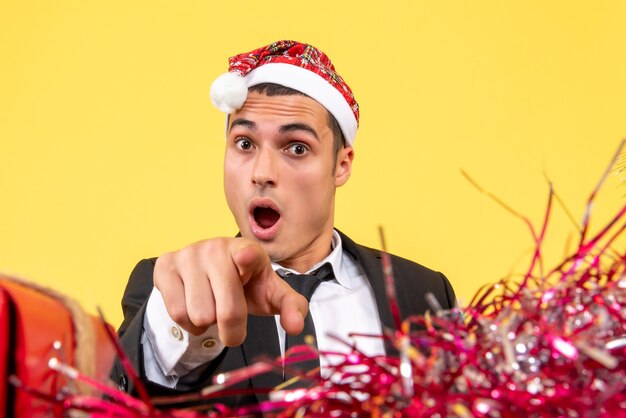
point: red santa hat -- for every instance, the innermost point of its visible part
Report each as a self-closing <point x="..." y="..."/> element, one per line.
<point x="292" y="64"/>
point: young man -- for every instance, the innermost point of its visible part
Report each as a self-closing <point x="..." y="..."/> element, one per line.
<point x="218" y="304"/>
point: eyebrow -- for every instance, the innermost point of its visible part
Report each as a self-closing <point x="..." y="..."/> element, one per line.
<point x="298" y="127"/>
<point x="245" y="123"/>
<point x="248" y="124"/>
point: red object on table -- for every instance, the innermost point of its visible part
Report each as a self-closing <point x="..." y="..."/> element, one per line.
<point x="37" y="324"/>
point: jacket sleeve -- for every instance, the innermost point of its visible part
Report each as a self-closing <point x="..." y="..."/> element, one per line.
<point x="136" y="294"/>
<point x="134" y="302"/>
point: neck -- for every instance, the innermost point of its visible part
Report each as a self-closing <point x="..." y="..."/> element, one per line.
<point x="316" y="252"/>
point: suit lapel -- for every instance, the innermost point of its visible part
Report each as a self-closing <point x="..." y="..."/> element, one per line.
<point x="370" y="261"/>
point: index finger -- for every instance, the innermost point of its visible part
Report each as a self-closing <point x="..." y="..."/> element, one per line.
<point x="266" y="293"/>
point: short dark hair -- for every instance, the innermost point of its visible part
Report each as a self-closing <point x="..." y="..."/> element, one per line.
<point x="272" y="89"/>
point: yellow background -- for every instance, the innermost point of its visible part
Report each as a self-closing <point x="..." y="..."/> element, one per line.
<point x="110" y="150"/>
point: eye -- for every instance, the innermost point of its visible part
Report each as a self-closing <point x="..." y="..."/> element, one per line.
<point x="243" y="144"/>
<point x="298" y="149"/>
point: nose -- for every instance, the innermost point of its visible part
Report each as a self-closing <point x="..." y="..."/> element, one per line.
<point x="264" y="172"/>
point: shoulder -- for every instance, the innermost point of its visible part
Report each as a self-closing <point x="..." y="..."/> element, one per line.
<point x="400" y="264"/>
<point x="411" y="273"/>
<point x="415" y="280"/>
<point x="411" y="278"/>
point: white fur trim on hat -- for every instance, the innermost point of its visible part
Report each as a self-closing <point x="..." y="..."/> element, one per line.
<point x="312" y="85"/>
<point x="229" y="92"/>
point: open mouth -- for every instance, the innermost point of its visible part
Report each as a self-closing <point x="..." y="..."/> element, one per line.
<point x="265" y="217"/>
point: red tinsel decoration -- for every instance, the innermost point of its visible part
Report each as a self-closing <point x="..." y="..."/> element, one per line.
<point x="552" y="343"/>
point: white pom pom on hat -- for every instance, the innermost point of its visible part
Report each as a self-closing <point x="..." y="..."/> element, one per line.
<point x="229" y="92"/>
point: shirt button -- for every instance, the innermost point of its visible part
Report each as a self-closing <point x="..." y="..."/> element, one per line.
<point x="209" y="343"/>
<point x="176" y="332"/>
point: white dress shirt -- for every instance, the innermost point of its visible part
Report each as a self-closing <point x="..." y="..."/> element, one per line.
<point x="338" y="308"/>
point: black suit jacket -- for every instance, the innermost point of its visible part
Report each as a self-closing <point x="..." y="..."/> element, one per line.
<point x="412" y="282"/>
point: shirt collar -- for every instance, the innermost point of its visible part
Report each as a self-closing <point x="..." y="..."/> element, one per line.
<point x="335" y="258"/>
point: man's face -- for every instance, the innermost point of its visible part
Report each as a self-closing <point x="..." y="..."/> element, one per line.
<point x="280" y="176"/>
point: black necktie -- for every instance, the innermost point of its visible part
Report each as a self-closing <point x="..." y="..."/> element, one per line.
<point x="306" y="284"/>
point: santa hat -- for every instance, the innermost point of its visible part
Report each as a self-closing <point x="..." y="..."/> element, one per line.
<point x="292" y="64"/>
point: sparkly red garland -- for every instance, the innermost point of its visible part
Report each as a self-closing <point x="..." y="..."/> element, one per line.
<point x="550" y="344"/>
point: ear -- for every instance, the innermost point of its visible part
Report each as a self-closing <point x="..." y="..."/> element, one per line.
<point x="343" y="168"/>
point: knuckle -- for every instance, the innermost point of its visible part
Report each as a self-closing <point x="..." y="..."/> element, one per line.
<point x="186" y="255"/>
<point x="232" y="317"/>
<point x="164" y="268"/>
<point x="202" y="250"/>
<point x="213" y="247"/>
<point x="202" y="319"/>
<point x="164" y="262"/>
<point x="177" y="313"/>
